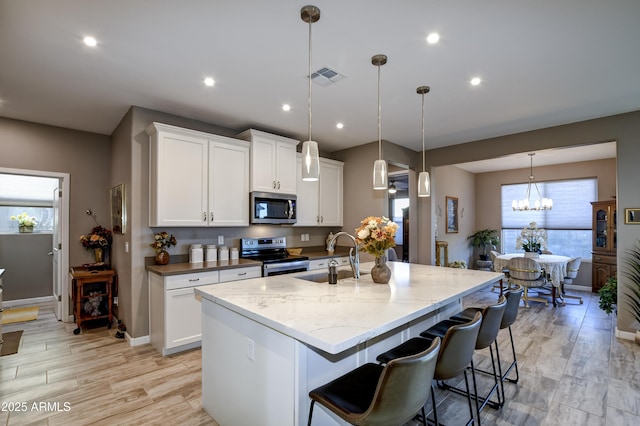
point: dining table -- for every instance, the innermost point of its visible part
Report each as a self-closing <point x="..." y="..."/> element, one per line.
<point x="555" y="267"/>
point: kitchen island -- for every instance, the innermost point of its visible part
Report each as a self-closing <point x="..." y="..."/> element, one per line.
<point x="266" y="342"/>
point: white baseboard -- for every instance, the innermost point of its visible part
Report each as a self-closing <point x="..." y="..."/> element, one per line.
<point x="8" y="304"/>
<point x="626" y="335"/>
<point x="583" y="288"/>
<point x="137" y="341"/>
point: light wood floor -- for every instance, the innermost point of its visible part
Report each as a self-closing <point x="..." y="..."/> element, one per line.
<point x="573" y="371"/>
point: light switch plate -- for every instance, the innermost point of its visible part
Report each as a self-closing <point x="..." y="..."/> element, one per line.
<point x="220" y="239"/>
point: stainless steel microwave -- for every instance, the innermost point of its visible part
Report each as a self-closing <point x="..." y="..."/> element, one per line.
<point x="272" y="208"/>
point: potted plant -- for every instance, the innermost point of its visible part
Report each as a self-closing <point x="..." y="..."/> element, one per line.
<point x="609" y="295"/>
<point x="485" y="238"/>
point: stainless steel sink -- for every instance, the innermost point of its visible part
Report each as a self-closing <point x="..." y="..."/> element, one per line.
<point x="323" y="277"/>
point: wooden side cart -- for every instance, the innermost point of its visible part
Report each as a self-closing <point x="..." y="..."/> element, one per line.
<point x="92" y="294"/>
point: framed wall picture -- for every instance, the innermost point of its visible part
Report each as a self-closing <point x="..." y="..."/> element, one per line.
<point x="452" y="215"/>
<point x="118" y="212"/>
<point x="632" y="216"/>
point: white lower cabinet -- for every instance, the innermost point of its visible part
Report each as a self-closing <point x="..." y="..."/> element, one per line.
<point x="316" y="264"/>
<point x="175" y="322"/>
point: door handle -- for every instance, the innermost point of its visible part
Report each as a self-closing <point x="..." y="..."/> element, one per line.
<point x="50" y="253"/>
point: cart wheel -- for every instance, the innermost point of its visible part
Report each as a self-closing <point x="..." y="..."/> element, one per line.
<point x="76" y="331"/>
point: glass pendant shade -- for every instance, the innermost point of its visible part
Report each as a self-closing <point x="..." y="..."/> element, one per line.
<point x="310" y="161"/>
<point x="424" y="184"/>
<point x="380" y="174"/>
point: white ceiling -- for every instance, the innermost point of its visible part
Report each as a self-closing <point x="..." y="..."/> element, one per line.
<point x="545" y="157"/>
<point x="542" y="64"/>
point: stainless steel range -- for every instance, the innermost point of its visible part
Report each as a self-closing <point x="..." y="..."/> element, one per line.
<point x="272" y="252"/>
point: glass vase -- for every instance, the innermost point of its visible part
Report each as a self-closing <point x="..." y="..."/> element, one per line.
<point x="381" y="273"/>
<point x="162" y="257"/>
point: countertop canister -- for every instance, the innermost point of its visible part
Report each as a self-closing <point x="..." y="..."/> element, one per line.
<point x="223" y="253"/>
<point x="210" y="253"/>
<point x="196" y="254"/>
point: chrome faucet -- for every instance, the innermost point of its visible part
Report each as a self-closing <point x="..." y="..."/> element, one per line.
<point x="354" y="260"/>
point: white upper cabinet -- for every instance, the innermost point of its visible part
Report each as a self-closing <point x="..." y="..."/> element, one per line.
<point x="320" y="202"/>
<point x="196" y="178"/>
<point x="273" y="162"/>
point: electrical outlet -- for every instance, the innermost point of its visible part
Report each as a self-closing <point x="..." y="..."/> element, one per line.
<point x="251" y="349"/>
<point x="301" y="237"/>
<point x="115" y="300"/>
<point x="220" y="240"/>
<point x="126" y="246"/>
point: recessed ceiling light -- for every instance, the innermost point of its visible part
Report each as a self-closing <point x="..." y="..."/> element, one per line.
<point x="475" y="81"/>
<point x="209" y="82"/>
<point x="286" y="107"/>
<point x="433" y="38"/>
<point x="90" y="41"/>
<point x="339" y="125"/>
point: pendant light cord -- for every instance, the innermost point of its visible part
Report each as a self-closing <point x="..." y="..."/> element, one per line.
<point x="310" y="91"/>
<point x="379" y="119"/>
<point x="423" y="161"/>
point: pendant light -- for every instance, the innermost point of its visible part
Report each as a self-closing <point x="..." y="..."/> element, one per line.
<point x="392" y="188"/>
<point x="380" y="165"/>
<point x="540" y="203"/>
<point x="424" y="182"/>
<point x="310" y="153"/>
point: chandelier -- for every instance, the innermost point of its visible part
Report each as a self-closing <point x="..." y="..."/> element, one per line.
<point x="525" y="204"/>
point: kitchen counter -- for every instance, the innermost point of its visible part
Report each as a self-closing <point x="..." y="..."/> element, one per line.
<point x="312" y="253"/>
<point x="268" y="341"/>
<point x="187" y="268"/>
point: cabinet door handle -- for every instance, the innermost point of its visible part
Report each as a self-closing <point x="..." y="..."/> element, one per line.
<point x="241" y="274"/>
<point x="278" y="184"/>
<point x="274" y="184"/>
<point x="211" y="216"/>
<point x="321" y="219"/>
<point x="194" y="279"/>
<point x="204" y="216"/>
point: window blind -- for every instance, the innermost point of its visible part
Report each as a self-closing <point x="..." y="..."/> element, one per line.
<point x="571" y="204"/>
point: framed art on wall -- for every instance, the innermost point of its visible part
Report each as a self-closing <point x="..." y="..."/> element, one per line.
<point x="632" y="216"/>
<point x="118" y="215"/>
<point x="452" y="215"/>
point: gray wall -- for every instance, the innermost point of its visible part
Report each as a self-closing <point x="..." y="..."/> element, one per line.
<point x="622" y="128"/>
<point x="28" y="266"/>
<point x="85" y="156"/>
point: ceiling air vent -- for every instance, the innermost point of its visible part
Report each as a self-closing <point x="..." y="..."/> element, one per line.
<point x="326" y="76"/>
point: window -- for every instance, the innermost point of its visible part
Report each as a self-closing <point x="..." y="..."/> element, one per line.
<point x="26" y="194"/>
<point x="568" y="224"/>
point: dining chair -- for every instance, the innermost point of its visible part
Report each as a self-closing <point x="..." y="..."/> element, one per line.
<point x="388" y="395"/>
<point x="455" y="355"/>
<point x="494" y="254"/>
<point x="572" y="272"/>
<point x="527" y="273"/>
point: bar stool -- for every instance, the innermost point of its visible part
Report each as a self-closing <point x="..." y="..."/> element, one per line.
<point x="491" y="319"/>
<point x="376" y="395"/>
<point x="508" y="318"/>
<point x="456" y="353"/>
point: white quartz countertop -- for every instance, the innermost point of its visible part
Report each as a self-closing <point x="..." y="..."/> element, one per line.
<point x="334" y="318"/>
